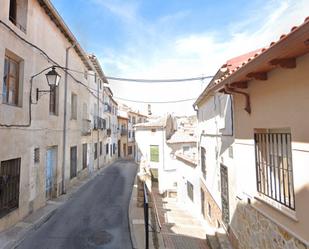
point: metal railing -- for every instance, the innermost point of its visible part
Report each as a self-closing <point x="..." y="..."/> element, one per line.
<point x="146" y="216"/>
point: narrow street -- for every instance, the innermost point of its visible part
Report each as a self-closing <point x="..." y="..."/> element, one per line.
<point x="95" y="217"/>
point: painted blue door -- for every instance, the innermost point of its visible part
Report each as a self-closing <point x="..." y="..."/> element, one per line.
<point x="49" y="171"/>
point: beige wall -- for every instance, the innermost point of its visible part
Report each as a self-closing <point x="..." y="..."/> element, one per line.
<point x="46" y="130"/>
<point x="280" y="102"/>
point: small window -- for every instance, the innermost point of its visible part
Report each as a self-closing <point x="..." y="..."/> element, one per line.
<point x="154" y="153"/>
<point x="114" y="148"/>
<point x="190" y="190"/>
<point x="209" y="210"/>
<point x="53" y="101"/>
<point x="185" y="149"/>
<point x="106" y="149"/>
<point x="133" y="134"/>
<point x="36" y="155"/>
<point x="74" y="106"/>
<point x="11" y="81"/>
<point x="95" y="151"/>
<point x="101" y="148"/>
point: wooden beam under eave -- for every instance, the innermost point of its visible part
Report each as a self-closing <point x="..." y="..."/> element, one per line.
<point x="284" y="63"/>
<point x="239" y="84"/>
<point x="258" y="75"/>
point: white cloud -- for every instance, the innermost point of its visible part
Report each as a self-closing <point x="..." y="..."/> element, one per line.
<point x="153" y="54"/>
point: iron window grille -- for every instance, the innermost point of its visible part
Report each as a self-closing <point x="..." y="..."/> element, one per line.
<point x="274" y="171"/>
<point x="9" y="186"/>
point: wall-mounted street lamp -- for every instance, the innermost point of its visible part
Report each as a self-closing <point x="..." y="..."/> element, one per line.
<point x="53" y="79"/>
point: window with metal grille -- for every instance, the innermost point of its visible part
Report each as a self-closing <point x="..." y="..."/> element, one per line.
<point x="36" y="155"/>
<point x="203" y="161"/>
<point x="154" y="153"/>
<point x="274" y="171"/>
<point x="95" y="151"/>
<point x="9" y="185"/>
<point x="190" y="190"/>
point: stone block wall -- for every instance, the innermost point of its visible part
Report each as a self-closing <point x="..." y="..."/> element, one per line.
<point x="216" y="214"/>
<point x="255" y="231"/>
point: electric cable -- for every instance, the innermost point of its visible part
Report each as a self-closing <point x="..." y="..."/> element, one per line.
<point x="156" y="102"/>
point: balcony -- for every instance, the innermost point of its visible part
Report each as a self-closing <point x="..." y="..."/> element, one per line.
<point x="109" y="132"/>
<point x="99" y="123"/>
<point x="123" y="132"/>
<point x="86" y="127"/>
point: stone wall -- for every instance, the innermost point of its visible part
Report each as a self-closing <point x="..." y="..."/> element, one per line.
<point x="216" y="214"/>
<point x="255" y="231"/>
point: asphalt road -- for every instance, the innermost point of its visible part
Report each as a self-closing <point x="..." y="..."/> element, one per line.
<point x="95" y="217"/>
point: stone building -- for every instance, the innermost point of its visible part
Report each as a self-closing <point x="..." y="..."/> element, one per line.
<point x="51" y="134"/>
<point x="263" y="184"/>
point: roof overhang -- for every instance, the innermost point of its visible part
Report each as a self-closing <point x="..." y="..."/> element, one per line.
<point x="59" y="22"/>
<point x="282" y="53"/>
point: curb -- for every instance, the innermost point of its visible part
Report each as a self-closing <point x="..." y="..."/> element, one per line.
<point x="131" y="206"/>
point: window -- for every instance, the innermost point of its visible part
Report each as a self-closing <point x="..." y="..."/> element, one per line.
<point x="101" y="148"/>
<point x="154" y="153"/>
<point x="203" y="161"/>
<point x="133" y="134"/>
<point x="11" y="87"/>
<point x="114" y="148"/>
<point x="111" y="150"/>
<point x="85" y="156"/>
<point x="190" y="190"/>
<point x="130" y="150"/>
<point x="85" y="74"/>
<point x="74" y="106"/>
<point x="95" y="151"/>
<point x="36" y="155"/>
<point x="18" y="13"/>
<point x="129" y="134"/>
<point x="274" y="169"/>
<point x="106" y="148"/>
<point x="133" y="120"/>
<point x="53" y="101"/>
<point x="9" y="185"/>
<point x="185" y="149"/>
<point x="209" y="210"/>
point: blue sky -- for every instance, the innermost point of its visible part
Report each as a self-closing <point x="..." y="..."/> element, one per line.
<point x="174" y="38"/>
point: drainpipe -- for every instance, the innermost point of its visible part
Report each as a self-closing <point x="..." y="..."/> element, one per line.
<point x="98" y="112"/>
<point x="247" y="96"/>
<point x="65" y="116"/>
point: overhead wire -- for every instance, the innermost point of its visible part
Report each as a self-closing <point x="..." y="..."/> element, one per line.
<point x="156" y="102"/>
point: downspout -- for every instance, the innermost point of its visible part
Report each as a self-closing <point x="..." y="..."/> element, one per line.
<point x="65" y="117"/>
<point x="247" y="108"/>
<point x="98" y="113"/>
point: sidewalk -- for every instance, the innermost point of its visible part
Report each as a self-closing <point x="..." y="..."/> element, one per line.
<point x="13" y="236"/>
<point x="179" y="229"/>
<point x="137" y="224"/>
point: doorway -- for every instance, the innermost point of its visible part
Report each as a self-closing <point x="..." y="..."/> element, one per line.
<point x="50" y="171"/>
